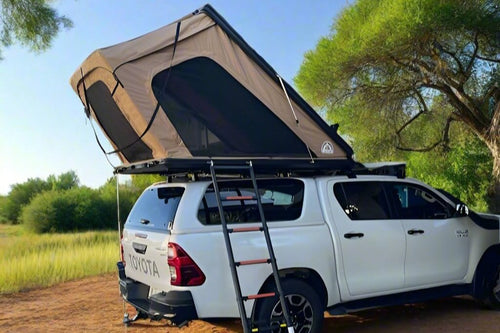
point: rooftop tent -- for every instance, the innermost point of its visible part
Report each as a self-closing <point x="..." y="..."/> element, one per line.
<point x="195" y="89"/>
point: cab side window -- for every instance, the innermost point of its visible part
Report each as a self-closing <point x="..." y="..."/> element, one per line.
<point x="362" y="200"/>
<point x="414" y="202"/>
<point x="281" y="201"/>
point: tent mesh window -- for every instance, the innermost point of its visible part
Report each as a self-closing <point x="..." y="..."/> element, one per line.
<point x="217" y="116"/>
<point x="116" y="126"/>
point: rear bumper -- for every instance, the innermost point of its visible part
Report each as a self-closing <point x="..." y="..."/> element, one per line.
<point x="177" y="306"/>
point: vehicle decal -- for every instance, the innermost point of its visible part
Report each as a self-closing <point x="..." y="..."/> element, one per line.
<point x="462" y="233"/>
<point x="145" y="266"/>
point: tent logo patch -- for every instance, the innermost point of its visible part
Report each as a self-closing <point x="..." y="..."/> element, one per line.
<point x="327" y="148"/>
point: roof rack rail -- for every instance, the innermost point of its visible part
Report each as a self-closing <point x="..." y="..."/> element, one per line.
<point x="261" y="165"/>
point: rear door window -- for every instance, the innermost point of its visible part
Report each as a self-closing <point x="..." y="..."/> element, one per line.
<point x="363" y="200"/>
<point x="155" y="208"/>
<point x="281" y="200"/>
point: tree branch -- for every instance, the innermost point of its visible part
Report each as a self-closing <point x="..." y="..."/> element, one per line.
<point x="453" y="56"/>
<point x="488" y="59"/>
<point x="468" y="70"/>
<point x="424" y="109"/>
<point x="445" y="139"/>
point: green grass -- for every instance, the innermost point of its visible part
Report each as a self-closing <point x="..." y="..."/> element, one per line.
<point x="30" y="261"/>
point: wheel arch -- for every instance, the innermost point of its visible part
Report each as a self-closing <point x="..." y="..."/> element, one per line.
<point x="310" y="276"/>
<point x="487" y="267"/>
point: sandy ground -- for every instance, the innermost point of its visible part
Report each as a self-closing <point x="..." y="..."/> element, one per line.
<point x="93" y="305"/>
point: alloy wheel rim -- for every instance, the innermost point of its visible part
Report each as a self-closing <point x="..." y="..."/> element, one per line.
<point x="496" y="289"/>
<point x="301" y="313"/>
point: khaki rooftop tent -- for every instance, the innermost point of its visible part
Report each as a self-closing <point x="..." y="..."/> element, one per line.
<point x="195" y="90"/>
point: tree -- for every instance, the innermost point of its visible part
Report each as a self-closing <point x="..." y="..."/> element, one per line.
<point x="409" y="62"/>
<point x="64" y="181"/>
<point x="33" y="23"/>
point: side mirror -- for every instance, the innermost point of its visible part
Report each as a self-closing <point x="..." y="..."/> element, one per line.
<point x="462" y="209"/>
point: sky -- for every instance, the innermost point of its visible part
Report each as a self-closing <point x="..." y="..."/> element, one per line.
<point x="43" y="129"/>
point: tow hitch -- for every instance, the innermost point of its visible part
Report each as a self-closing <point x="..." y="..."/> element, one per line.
<point x="127" y="320"/>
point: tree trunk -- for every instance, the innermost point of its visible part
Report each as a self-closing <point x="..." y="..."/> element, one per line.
<point x="494" y="197"/>
<point x="494" y="191"/>
<point x="492" y="139"/>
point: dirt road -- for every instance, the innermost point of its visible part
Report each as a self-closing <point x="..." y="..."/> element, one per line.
<point x="93" y="305"/>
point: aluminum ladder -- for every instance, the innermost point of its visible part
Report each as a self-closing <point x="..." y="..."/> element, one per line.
<point x="240" y="170"/>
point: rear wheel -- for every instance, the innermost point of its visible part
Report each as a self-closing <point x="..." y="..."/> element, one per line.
<point x="304" y="306"/>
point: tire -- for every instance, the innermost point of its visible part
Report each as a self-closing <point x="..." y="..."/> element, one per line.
<point x="303" y="303"/>
<point x="492" y="299"/>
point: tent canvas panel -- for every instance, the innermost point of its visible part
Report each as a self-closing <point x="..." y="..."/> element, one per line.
<point x="220" y="99"/>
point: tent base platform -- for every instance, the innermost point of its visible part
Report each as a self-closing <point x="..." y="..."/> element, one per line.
<point x="298" y="166"/>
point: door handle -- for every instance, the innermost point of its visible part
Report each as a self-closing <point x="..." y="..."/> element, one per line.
<point x="415" y="231"/>
<point x="354" y="235"/>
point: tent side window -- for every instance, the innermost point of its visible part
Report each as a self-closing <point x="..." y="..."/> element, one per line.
<point x="215" y="115"/>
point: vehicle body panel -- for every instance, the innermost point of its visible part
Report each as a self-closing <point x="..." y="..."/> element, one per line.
<point x="385" y="261"/>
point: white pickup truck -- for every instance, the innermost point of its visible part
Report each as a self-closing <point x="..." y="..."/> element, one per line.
<point x="342" y="244"/>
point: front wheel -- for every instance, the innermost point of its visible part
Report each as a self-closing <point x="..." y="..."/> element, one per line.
<point x="492" y="299"/>
<point x="304" y="306"/>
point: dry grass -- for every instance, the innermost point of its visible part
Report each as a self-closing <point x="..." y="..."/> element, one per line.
<point x="30" y="261"/>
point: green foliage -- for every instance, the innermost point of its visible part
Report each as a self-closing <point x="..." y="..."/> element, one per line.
<point x="3" y="203"/>
<point x="416" y="81"/>
<point x="143" y="181"/>
<point x="128" y="194"/>
<point x="381" y="45"/>
<point x="464" y="171"/>
<point x="20" y="195"/>
<point x="59" y="204"/>
<point x="72" y="210"/>
<point x="33" y="23"/>
<point x="31" y="261"/>
<point x="64" y="181"/>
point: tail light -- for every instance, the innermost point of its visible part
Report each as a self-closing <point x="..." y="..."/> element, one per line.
<point x="183" y="270"/>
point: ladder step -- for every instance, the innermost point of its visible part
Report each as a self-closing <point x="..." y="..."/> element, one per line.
<point x="253" y="262"/>
<point x="246" y="298"/>
<point x="232" y="167"/>
<point x="245" y="229"/>
<point x="238" y="198"/>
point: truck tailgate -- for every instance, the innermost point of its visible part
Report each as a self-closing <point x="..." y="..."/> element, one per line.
<point x="145" y="255"/>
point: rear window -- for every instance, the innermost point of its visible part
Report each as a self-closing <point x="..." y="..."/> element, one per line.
<point x="155" y="208"/>
<point x="281" y="200"/>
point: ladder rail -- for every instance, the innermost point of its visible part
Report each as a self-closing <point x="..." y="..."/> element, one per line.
<point x="230" y="254"/>
<point x="270" y="248"/>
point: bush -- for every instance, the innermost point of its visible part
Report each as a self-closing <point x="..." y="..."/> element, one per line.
<point x="71" y="210"/>
<point x="20" y="195"/>
<point x="128" y="195"/>
<point x="3" y="214"/>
